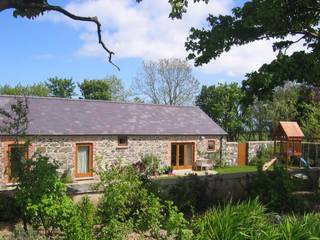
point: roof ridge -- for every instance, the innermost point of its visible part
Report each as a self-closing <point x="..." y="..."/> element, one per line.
<point x="102" y="101"/>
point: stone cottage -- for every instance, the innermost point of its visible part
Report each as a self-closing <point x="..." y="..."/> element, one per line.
<point x="80" y="133"/>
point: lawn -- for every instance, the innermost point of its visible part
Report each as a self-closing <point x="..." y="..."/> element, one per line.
<point x="236" y="169"/>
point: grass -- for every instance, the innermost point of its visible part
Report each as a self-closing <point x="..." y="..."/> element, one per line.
<point x="236" y="169"/>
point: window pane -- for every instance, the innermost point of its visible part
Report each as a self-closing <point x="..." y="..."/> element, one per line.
<point x="181" y="155"/>
<point x="211" y="145"/>
<point x="17" y="154"/>
<point x="173" y="154"/>
<point x="122" y="140"/>
<point x="189" y="152"/>
<point x="83" y="159"/>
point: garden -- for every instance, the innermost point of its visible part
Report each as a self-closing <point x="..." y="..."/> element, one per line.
<point x="133" y="206"/>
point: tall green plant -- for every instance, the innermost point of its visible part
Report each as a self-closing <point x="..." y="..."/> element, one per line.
<point x="233" y="222"/>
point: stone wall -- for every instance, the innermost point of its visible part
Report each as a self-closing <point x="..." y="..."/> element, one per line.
<point x="230" y="153"/>
<point x="1" y="162"/>
<point x="105" y="148"/>
<point x="255" y="146"/>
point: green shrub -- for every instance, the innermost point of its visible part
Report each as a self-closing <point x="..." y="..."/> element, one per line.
<point x="264" y="154"/>
<point x="274" y="189"/>
<point x="241" y="221"/>
<point x="81" y="223"/>
<point x="151" y="164"/>
<point x="9" y="209"/>
<point x="66" y="176"/>
<point x="127" y="202"/>
<point x="42" y="196"/>
<point x="20" y="234"/>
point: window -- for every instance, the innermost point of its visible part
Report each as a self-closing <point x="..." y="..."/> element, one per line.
<point x="17" y="154"/>
<point x="84" y="161"/>
<point x="122" y="141"/>
<point x="211" y="145"/>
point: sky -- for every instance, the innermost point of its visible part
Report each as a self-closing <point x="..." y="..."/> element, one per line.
<point x="53" y="45"/>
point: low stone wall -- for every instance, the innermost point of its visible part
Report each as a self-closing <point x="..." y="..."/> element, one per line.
<point x="255" y="146"/>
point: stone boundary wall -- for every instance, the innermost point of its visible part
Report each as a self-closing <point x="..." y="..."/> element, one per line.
<point x="230" y="150"/>
<point x="230" y="153"/>
<point x="255" y="146"/>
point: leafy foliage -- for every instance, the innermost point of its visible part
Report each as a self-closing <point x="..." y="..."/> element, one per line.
<point x="42" y="196"/>
<point x="9" y="210"/>
<point x="37" y="89"/>
<point x="127" y="203"/>
<point x="223" y="104"/>
<point x="241" y="221"/>
<point x="311" y="120"/>
<point x="264" y="154"/>
<point x="61" y="87"/>
<point x="95" y="89"/>
<point x="275" y="188"/>
<point x="287" y="22"/>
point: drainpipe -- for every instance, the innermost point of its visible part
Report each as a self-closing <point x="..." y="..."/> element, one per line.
<point x="221" y="147"/>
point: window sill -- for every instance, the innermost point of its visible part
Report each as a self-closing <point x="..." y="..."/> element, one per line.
<point x="83" y="178"/>
<point x="211" y="151"/>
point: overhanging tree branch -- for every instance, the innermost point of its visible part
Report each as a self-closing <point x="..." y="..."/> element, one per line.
<point x="43" y="7"/>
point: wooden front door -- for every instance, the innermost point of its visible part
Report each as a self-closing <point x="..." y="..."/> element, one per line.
<point x="242" y="154"/>
<point x="182" y="155"/>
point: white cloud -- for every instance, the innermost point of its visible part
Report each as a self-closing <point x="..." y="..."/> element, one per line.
<point x="139" y="30"/>
<point x="145" y="31"/>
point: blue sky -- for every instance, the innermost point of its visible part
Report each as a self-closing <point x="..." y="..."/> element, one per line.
<point x="52" y="45"/>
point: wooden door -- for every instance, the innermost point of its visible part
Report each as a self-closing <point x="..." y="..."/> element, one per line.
<point x="182" y="155"/>
<point x="242" y="154"/>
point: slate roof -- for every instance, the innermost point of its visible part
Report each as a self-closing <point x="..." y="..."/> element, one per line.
<point x="58" y="116"/>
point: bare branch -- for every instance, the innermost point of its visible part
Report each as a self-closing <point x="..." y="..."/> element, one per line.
<point x="6" y="4"/>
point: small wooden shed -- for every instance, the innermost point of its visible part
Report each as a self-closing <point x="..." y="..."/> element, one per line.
<point x="288" y="141"/>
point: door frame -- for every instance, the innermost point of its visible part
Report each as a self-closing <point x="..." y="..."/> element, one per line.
<point x="177" y="167"/>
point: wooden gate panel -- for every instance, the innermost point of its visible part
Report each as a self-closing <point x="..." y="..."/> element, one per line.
<point x="242" y="154"/>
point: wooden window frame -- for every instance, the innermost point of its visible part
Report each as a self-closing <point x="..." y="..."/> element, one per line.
<point x="90" y="173"/>
<point x="123" y="144"/>
<point x="8" y="169"/>
<point x="214" y="145"/>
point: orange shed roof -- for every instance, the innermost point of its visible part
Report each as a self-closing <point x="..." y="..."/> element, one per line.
<point x="291" y="129"/>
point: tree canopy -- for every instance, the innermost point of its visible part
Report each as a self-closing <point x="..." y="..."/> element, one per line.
<point x="95" y="89"/>
<point x="285" y="22"/>
<point x="37" y="89"/>
<point x="167" y="81"/>
<point x="61" y="87"/>
<point x="223" y="104"/>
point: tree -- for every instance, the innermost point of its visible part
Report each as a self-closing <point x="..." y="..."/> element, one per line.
<point x="167" y="81"/>
<point x="37" y="89"/>
<point x="223" y="104"/>
<point x="96" y="89"/>
<point x="311" y="121"/>
<point x="281" y="20"/>
<point x="61" y="87"/>
<point x="118" y="92"/>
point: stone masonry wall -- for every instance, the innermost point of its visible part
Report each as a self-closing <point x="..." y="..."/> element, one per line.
<point x="105" y="148"/>
<point x="255" y="146"/>
<point x="1" y="162"/>
<point x="230" y="153"/>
